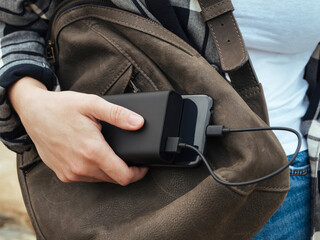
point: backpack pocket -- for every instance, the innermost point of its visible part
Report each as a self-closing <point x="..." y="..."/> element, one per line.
<point x="94" y="54"/>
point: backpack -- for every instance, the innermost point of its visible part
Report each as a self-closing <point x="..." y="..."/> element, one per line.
<point x="96" y="48"/>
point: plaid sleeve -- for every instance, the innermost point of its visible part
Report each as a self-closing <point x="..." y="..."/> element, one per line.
<point x="311" y="129"/>
<point x="23" y="27"/>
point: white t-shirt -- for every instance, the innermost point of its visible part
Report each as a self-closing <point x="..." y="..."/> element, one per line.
<point x="280" y="37"/>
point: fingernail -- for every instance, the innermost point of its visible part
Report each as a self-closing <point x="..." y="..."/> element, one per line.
<point x="135" y="120"/>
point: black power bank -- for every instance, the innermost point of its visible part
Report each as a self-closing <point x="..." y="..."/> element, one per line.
<point x="162" y="114"/>
<point x="166" y="114"/>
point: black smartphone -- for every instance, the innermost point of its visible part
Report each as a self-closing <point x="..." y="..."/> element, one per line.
<point x="196" y="115"/>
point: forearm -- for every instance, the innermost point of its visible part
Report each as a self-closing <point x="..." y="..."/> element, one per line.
<point x="22" y="47"/>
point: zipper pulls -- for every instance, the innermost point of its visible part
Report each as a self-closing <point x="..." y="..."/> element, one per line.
<point x="50" y="52"/>
<point x="133" y="87"/>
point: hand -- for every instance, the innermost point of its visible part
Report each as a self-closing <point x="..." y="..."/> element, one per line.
<point x="65" y="129"/>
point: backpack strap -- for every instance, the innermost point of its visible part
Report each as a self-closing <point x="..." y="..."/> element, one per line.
<point x="233" y="54"/>
<point x="230" y="45"/>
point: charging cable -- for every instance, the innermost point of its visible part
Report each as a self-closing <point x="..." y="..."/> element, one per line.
<point x="174" y="145"/>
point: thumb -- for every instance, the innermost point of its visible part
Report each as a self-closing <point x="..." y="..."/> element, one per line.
<point x="114" y="114"/>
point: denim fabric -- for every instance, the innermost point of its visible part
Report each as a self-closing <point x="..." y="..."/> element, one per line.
<point x="291" y="221"/>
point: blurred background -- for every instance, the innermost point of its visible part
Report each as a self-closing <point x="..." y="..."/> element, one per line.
<point x="14" y="221"/>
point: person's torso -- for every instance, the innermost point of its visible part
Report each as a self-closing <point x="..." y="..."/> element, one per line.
<point x="280" y="38"/>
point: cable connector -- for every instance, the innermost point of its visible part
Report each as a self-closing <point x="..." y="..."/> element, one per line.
<point x="214" y="130"/>
<point x="172" y="145"/>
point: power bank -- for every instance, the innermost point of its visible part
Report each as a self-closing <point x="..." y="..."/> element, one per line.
<point x="166" y="114"/>
<point x="162" y="114"/>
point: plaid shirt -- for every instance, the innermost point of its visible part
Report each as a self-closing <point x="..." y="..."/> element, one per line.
<point x="23" y="27"/>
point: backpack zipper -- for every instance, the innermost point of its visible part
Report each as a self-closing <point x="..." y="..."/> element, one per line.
<point x="50" y="56"/>
<point x="134" y="88"/>
<point x="131" y="84"/>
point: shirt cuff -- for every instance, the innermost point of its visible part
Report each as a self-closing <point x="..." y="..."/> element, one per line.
<point x="42" y="73"/>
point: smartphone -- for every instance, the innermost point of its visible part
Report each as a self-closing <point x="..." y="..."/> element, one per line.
<point x="196" y="116"/>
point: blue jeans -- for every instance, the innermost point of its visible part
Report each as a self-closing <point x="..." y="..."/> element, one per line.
<point x="291" y="221"/>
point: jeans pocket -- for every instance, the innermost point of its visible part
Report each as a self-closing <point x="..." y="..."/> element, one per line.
<point x="300" y="166"/>
<point x="300" y="171"/>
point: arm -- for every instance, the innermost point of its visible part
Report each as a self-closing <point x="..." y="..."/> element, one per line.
<point x="22" y="44"/>
<point x="63" y="126"/>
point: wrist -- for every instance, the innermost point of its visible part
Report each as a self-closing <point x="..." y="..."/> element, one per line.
<point x="24" y="92"/>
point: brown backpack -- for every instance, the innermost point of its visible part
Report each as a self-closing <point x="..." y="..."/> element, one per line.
<point x="102" y="50"/>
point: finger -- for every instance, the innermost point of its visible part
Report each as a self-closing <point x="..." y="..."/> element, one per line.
<point x="89" y="180"/>
<point x="93" y="176"/>
<point x="77" y="169"/>
<point x="114" y="114"/>
<point x="72" y="178"/>
<point x="80" y="171"/>
<point x="93" y="172"/>
<point x="118" y="170"/>
<point x="139" y="173"/>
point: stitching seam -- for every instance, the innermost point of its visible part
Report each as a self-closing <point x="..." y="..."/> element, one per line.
<point x="251" y="73"/>
<point x="250" y="94"/>
<point x="239" y="38"/>
<point x="248" y="88"/>
<point x="273" y="188"/>
<point x="180" y="45"/>
<point x="126" y="55"/>
<point x="29" y="203"/>
<point x="256" y="188"/>
<point x="122" y="70"/>
<point x="217" y="44"/>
